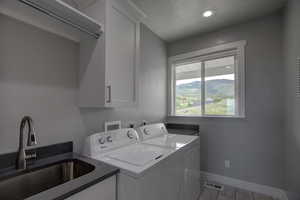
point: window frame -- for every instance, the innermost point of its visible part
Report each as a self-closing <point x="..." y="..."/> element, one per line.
<point x="236" y="49"/>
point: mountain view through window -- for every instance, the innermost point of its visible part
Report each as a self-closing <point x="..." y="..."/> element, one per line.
<point x="219" y="88"/>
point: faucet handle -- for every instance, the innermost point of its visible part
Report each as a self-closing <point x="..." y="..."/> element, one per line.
<point x="31" y="139"/>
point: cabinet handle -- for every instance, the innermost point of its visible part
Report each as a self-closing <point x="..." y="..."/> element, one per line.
<point x="109" y="94"/>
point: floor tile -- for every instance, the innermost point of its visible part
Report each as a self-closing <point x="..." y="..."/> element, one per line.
<point x="261" y="197"/>
<point x="209" y="194"/>
<point x="227" y="194"/>
<point x="231" y="193"/>
<point x="243" y="195"/>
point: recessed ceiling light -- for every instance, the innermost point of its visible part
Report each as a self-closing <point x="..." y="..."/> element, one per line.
<point x="208" y="13"/>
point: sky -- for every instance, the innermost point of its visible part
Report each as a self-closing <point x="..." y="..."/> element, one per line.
<point x="226" y="77"/>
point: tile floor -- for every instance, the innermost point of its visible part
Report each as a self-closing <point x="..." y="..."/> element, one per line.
<point x="230" y="193"/>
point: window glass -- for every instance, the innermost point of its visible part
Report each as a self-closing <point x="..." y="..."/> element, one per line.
<point x="188" y="89"/>
<point x="220" y="86"/>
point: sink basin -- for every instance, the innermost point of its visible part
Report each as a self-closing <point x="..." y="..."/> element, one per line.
<point x="33" y="182"/>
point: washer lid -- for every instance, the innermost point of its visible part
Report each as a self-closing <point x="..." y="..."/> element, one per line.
<point x="171" y="140"/>
<point x="138" y="155"/>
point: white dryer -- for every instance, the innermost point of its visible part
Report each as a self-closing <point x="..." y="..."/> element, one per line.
<point x="187" y="148"/>
<point x="147" y="172"/>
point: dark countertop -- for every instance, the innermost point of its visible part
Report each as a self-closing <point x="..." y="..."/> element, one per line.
<point x="183" y="129"/>
<point x="101" y="172"/>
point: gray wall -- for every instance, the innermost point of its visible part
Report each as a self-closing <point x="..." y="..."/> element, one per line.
<point x="254" y="144"/>
<point x="38" y="77"/>
<point x="292" y="103"/>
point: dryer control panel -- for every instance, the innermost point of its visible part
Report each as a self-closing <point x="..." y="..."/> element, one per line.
<point x="152" y="130"/>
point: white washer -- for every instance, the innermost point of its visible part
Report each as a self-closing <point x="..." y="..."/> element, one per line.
<point x="147" y="172"/>
<point x="187" y="147"/>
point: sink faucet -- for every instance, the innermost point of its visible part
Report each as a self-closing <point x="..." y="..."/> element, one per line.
<point x="31" y="141"/>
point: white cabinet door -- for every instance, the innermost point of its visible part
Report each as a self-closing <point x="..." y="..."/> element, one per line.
<point x="105" y="190"/>
<point x="122" y="46"/>
<point x="191" y="183"/>
<point x="108" y="67"/>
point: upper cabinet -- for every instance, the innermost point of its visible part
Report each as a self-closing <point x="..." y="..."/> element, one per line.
<point x="109" y="65"/>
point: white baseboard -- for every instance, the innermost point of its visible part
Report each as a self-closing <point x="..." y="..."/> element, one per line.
<point x="253" y="187"/>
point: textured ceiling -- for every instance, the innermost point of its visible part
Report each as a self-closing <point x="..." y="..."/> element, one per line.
<point x="176" y="19"/>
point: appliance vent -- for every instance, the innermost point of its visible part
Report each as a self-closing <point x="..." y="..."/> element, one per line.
<point x="110" y="126"/>
<point x="214" y="186"/>
<point x="298" y="78"/>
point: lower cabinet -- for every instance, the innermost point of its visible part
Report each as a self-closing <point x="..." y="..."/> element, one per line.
<point x="191" y="180"/>
<point x="105" y="190"/>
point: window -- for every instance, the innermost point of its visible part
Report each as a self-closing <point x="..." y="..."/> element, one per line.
<point x="208" y="82"/>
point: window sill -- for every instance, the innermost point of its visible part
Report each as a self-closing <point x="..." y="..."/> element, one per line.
<point x="208" y="116"/>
